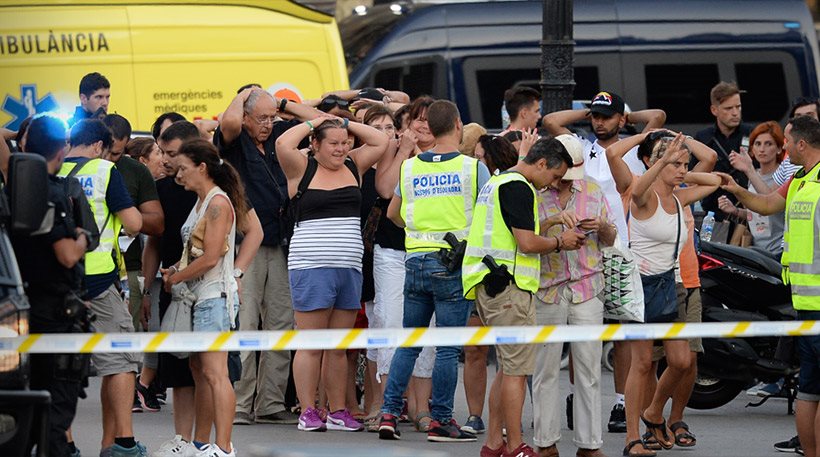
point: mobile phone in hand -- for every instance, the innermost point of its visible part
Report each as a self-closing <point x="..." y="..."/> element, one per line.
<point x="583" y="221"/>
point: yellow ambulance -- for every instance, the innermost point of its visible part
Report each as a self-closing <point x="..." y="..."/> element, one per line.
<point x="160" y="56"/>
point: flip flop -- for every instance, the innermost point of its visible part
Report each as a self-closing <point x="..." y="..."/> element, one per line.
<point x="686" y="435"/>
<point x="651" y="427"/>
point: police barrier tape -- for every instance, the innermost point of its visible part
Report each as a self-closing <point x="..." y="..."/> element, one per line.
<point x="382" y="338"/>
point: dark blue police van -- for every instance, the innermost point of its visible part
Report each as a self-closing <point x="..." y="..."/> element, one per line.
<point x="655" y="53"/>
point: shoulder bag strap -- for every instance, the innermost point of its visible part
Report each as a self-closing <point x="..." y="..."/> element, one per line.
<point x="677" y="236"/>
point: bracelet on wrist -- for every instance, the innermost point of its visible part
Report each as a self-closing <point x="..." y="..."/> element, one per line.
<point x="557" y="243"/>
<point x="310" y="125"/>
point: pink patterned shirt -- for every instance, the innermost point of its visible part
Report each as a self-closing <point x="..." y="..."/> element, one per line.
<point x="581" y="269"/>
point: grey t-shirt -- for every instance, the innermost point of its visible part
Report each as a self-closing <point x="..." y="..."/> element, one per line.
<point x="767" y="231"/>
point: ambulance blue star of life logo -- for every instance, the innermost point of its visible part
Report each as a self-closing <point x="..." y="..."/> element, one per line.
<point x="27" y="105"/>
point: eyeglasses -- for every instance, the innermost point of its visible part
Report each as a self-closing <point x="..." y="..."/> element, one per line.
<point x="385" y="128"/>
<point x="263" y="120"/>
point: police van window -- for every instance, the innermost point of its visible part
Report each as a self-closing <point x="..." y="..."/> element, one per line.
<point x="493" y="83"/>
<point x="766" y="95"/>
<point x="682" y="91"/>
<point x="415" y="80"/>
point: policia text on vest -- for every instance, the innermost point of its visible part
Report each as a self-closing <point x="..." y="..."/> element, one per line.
<point x="801" y="247"/>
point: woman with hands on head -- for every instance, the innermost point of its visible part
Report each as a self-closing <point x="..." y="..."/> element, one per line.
<point x="767" y="149"/>
<point x="418" y="124"/>
<point x="325" y="260"/>
<point x="657" y="234"/>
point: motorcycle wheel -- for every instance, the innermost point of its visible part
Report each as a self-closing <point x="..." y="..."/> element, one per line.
<point x="711" y="393"/>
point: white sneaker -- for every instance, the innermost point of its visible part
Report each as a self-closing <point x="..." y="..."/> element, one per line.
<point x="175" y="447"/>
<point x="212" y="450"/>
<point x="754" y="391"/>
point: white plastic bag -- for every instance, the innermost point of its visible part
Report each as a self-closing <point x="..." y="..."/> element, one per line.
<point x="623" y="293"/>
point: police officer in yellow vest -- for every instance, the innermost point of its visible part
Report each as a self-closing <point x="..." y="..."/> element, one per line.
<point x="800" y="197"/>
<point x="502" y="272"/>
<point x="113" y="209"/>
<point x="435" y="195"/>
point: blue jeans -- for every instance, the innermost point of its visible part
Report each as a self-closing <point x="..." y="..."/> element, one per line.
<point x="429" y="288"/>
<point x="808" y="351"/>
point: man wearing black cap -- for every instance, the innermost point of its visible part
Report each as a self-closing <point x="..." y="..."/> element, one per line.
<point x="607" y="116"/>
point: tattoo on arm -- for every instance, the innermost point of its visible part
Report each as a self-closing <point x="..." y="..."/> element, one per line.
<point x="213" y="213"/>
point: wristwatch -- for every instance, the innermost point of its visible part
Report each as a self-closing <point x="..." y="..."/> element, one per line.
<point x="238" y="273"/>
<point x="283" y="104"/>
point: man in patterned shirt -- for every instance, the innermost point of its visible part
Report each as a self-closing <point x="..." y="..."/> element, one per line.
<point x="571" y="282"/>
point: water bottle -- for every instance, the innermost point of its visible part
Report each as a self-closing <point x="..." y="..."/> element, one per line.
<point x="707" y="226"/>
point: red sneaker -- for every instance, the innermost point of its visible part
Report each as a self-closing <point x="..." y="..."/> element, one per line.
<point x="487" y="452"/>
<point x="523" y="450"/>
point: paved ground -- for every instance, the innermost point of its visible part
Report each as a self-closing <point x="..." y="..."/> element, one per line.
<point x="732" y="430"/>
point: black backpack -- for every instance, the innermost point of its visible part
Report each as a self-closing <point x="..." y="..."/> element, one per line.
<point x="291" y="214"/>
<point x="80" y="208"/>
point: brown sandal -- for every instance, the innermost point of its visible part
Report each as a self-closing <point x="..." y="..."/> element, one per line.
<point x="628" y="449"/>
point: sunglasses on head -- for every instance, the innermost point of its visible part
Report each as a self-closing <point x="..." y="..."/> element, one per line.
<point x="329" y="104"/>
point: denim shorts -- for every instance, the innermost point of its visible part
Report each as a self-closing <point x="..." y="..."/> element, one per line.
<point x="211" y="315"/>
<point x="808" y="351"/>
<point x="324" y="288"/>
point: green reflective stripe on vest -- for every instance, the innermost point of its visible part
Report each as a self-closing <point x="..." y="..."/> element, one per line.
<point x="489" y="235"/>
<point x="801" y="255"/>
<point x="94" y="177"/>
<point x="437" y="198"/>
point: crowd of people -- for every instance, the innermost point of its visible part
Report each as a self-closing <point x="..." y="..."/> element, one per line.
<point x="365" y="208"/>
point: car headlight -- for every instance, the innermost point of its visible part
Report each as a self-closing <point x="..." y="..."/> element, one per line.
<point x="13" y="365"/>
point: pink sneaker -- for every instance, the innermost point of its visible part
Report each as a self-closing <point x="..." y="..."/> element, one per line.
<point x="310" y="421"/>
<point x="342" y="420"/>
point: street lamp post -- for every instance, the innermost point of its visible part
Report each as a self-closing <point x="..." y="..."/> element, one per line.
<point x="557" y="45"/>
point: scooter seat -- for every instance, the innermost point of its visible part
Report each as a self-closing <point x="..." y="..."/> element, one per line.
<point x="747" y="257"/>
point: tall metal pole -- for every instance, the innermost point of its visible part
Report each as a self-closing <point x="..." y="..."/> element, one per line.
<point x="557" y="47"/>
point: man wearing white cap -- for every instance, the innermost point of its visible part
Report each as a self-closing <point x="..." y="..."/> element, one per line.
<point x="570" y="284"/>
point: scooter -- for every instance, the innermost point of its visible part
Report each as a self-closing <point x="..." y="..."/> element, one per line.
<point x="741" y="284"/>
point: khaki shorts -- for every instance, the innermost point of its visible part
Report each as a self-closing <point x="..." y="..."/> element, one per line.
<point x="690" y="309"/>
<point x="511" y="307"/>
<point x="113" y="317"/>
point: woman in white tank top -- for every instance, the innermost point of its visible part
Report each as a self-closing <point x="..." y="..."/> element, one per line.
<point x="207" y="268"/>
<point x="657" y="233"/>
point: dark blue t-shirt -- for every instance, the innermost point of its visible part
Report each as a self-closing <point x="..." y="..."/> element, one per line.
<point x="117" y="199"/>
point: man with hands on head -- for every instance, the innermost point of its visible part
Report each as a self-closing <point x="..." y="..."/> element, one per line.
<point x="607" y="116"/>
<point x="246" y="138"/>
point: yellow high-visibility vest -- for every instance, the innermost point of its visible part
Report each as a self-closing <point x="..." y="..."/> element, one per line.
<point x="94" y="177"/>
<point x="437" y="197"/>
<point x="489" y="235"/>
<point x="801" y="247"/>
